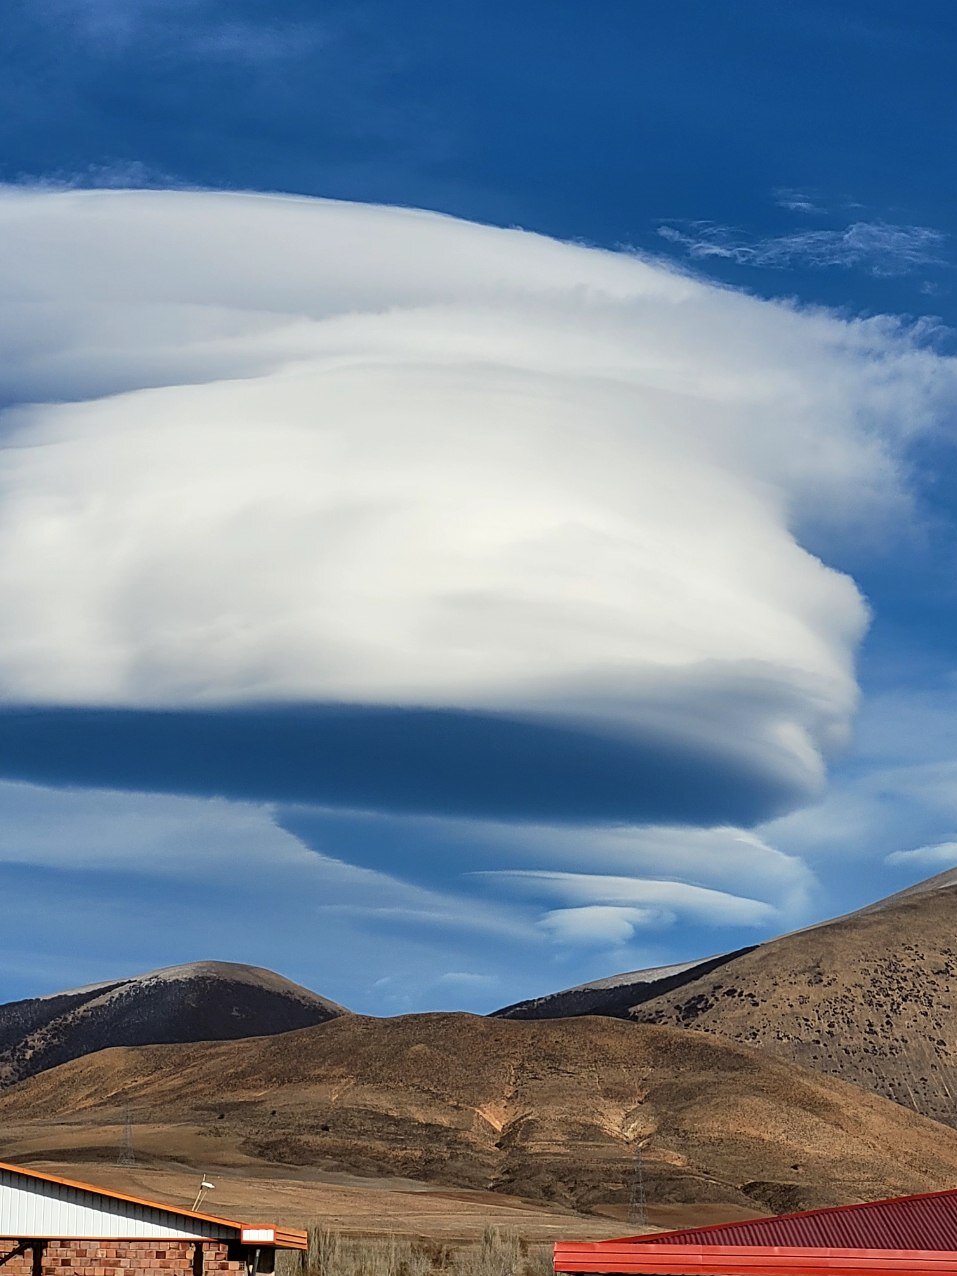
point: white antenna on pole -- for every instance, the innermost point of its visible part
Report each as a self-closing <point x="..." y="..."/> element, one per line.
<point x="204" y="1187"/>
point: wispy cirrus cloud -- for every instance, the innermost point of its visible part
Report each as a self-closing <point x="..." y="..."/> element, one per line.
<point x="116" y="174"/>
<point x="180" y="27"/>
<point x="878" y="248"/>
<point x="893" y="803"/>
<point x="796" y="201"/>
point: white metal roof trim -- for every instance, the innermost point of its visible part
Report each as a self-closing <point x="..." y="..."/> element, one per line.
<point x="35" y="1207"/>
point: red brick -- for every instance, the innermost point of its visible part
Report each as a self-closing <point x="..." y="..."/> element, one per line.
<point x="109" y="1257"/>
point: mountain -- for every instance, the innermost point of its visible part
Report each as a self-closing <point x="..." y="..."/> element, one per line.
<point x="869" y="997"/>
<point x="615" y="995"/>
<point x="202" y="1001"/>
<point x="552" y="1110"/>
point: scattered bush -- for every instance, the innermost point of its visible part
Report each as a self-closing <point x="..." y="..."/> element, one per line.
<point x="335" y="1254"/>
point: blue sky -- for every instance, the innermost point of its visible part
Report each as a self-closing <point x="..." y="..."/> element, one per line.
<point x="439" y="613"/>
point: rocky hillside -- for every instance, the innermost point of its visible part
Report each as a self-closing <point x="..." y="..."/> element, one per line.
<point x="870" y="998"/>
<point x="617" y="994"/>
<point x="552" y="1110"/>
<point x="203" y="1001"/>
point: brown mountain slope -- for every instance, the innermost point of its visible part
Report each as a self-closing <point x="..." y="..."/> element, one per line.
<point x="615" y="995"/>
<point x="205" y="1000"/>
<point x="870" y="998"/>
<point x="553" y="1110"/>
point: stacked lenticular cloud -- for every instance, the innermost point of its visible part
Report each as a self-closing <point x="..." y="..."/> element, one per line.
<point x="264" y="449"/>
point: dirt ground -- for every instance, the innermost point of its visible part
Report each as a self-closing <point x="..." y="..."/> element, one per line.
<point x="352" y="1205"/>
<point x="372" y="1207"/>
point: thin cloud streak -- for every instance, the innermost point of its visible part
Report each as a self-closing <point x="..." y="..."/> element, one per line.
<point x="149" y="865"/>
<point x="879" y="248"/>
<point x="941" y="854"/>
<point x="797" y="201"/>
<point x="115" y="27"/>
<point x="658" y="898"/>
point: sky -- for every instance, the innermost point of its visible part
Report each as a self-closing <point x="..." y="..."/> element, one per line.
<point x="477" y="486"/>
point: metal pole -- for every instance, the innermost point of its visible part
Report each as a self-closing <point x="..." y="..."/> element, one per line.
<point x="636" y="1206"/>
<point x="127" y="1156"/>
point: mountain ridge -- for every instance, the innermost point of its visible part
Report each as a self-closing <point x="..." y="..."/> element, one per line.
<point x="552" y="1110"/>
<point x="195" y="1001"/>
<point x="867" y="997"/>
<point x="616" y="994"/>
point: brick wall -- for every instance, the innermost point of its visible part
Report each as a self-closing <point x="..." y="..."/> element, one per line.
<point x="118" y="1258"/>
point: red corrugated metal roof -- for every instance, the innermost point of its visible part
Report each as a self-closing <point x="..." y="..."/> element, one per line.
<point x="927" y="1222"/>
<point x="652" y="1259"/>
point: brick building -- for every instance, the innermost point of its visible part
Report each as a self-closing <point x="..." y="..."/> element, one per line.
<point x="50" y="1226"/>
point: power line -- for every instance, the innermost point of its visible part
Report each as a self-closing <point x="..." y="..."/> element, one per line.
<point x="637" y="1213"/>
<point x="127" y="1156"/>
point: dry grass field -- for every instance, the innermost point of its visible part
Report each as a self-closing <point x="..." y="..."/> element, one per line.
<point x="346" y="1205"/>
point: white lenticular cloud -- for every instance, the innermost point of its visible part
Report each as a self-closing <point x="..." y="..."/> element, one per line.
<point x="941" y="853"/>
<point x="656" y="901"/>
<point x="261" y="448"/>
<point x="600" y="925"/>
<point x="720" y="858"/>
